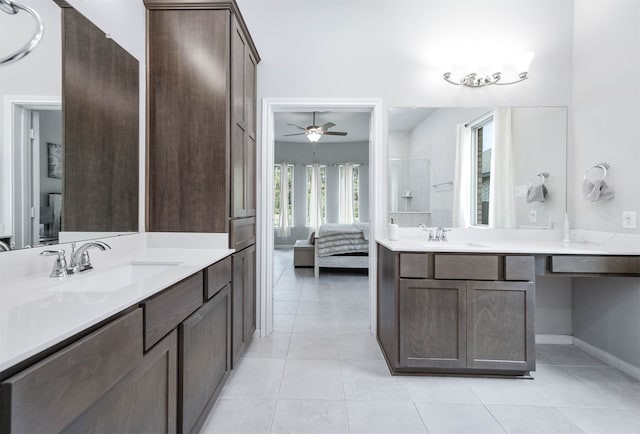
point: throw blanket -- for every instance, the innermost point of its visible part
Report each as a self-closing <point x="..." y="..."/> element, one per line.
<point x="338" y="239"/>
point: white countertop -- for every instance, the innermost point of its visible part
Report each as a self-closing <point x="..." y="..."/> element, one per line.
<point x="520" y="242"/>
<point x="37" y="311"/>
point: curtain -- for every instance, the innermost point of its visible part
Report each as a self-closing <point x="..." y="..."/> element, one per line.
<point x="501" y="189"/>
<point x="284" y="231"/>
<point x="346" y="193"/>
<point x="315" y="205"/>
<point x="462" y="179"/>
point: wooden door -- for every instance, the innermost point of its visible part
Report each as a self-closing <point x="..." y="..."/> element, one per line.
<point x="238" y="122"/>
<point x="432" y="323"/>
<point x="500" y="327"/>
<point x="205" y="362"/>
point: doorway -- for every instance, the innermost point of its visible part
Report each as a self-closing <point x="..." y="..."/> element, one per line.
<point x="266" y="196"/>
<point x="31" y="191"/>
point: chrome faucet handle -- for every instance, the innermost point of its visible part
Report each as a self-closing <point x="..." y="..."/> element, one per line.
<point x="60" y="264"/>
<point x="443" y="233"/>
<point x="80" y="260"/>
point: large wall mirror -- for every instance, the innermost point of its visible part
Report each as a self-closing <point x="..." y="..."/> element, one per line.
<point x="496" y="167"/>
<point x="70" y="143"/>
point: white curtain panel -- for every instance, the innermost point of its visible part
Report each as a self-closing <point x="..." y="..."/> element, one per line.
<point x="284" y="231"/>
<point x="501" y="190"/>
<point x="346" y="194"/>
<point x="462" y="180"/>
<point x="315" y="207"/>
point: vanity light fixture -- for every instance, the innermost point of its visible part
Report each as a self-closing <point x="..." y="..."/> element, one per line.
<point x="515" y="71"/>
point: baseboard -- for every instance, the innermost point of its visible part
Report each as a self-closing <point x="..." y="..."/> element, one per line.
<point x="607" y="358"/>
<point x="554" y="339"/>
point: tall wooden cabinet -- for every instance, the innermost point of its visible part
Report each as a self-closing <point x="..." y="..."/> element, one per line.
<point x="201" y="117"/>
<point x="201" y="91"/>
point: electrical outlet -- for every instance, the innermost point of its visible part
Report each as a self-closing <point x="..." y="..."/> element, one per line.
<point x="521" y="191"/>
<point x="629" y="219"/>
<point x="533" y="216"/>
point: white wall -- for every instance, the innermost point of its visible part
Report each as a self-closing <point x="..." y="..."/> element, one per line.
<point x="606" y="128"/>
<point x="391" y="49"/>
<point x="606" y="109"/>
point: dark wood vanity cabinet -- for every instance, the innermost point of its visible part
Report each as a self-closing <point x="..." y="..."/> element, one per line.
<point x="157" y="367"/>
<point x="434" y="317"/>
<point x="101" y="383"/>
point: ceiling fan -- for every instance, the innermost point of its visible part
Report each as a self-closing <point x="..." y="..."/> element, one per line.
<point x="315" y="132"/>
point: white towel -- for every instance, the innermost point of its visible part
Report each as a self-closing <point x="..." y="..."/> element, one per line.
<point x="537" y="193"/>
<point x="596" y="190"/>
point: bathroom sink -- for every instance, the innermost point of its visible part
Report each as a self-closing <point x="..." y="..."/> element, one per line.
<point x="115" y="278"/>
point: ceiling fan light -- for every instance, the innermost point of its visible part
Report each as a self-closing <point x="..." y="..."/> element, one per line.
<point x="313" y="136"/>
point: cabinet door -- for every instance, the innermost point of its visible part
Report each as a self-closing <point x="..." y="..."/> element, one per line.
<point x="500" y="329"/>
<point x="243" y="300"/>
<point x="51" y="394"/>
<point x="205" y="342"/>
<point x="243" y="125"/>
<point x="143" y="402"/>
<point x="432" y="323"/>
<point x="189" y="118"/>
<point x="250" y="293"/>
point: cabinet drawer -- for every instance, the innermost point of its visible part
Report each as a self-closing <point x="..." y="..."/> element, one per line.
<point x="242" y="233"/>
<point x="595" y="264"/>
<point x="218" y="276"/>
<point x="165" y="311"/>
<point x="468" y="267"/>
<point x="49" y="395"/>
<point x="415" y="266"/>
<point x="519" y="268"/>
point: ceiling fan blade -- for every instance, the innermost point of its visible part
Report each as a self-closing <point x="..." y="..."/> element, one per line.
<point x="334" y="133"/>
<point x="295" y="134"/>
<point x="297" y="126"/>
<point x="328" y="125"/>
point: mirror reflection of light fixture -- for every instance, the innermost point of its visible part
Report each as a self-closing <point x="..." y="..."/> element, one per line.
<point x="313" y="135"/>
<point x="515" y="71"/>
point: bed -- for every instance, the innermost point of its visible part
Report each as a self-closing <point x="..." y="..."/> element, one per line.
<point x="341" y="246"/>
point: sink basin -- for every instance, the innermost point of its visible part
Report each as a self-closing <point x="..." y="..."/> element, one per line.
<point x="448" y="245"/>
<point x="114" y="279"/>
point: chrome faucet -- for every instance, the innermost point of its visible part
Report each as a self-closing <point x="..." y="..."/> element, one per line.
<point x="441" y="234"/>
<point x="80" y="260"/>
<point x="4" y="247"/>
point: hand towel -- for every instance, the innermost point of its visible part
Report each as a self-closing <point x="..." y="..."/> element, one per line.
<point x="537" y="193"/>
<point x="596" y="190"/>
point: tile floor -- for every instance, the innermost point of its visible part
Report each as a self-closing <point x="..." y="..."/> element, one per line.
<point x="322" y="372"/>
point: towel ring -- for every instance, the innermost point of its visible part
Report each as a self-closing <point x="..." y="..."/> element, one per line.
<point x="12" y="8"/>
<point x="542" y="175"/>
<point x="601" y="166"/>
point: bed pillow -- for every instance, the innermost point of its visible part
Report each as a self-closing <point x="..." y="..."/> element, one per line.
<point x="312" y="238"/>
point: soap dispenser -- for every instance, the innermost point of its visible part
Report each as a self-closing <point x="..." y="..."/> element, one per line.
<point x="394" y="230"/>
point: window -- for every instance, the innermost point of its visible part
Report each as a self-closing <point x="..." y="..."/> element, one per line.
<point x="323" y="193"/>
<point x="277" y="201"/>
<point x="482" y="142"/>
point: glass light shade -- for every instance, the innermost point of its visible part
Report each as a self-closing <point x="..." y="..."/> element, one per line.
<point x="313" y="136"/>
